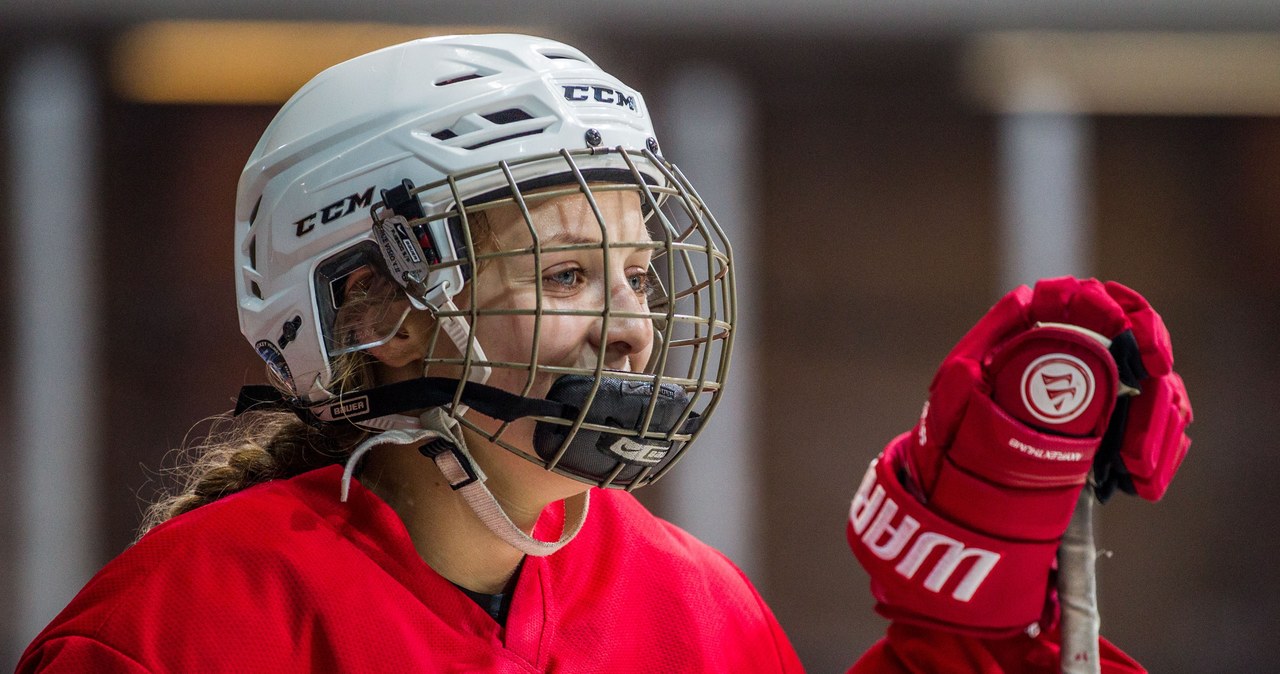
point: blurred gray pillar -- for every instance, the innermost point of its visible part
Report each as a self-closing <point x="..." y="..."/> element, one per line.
<point x="1044" y="176"/>
<point x="708" y="113"/>
<point x="1044" y="164"/>
<point x="52" y="116"/>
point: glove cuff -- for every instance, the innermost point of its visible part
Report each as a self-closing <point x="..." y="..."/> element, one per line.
<point x="929" y="571"/>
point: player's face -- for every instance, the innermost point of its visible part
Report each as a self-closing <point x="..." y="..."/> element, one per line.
<point x="577" y="276"/>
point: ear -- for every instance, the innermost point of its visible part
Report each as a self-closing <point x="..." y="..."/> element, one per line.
<point x="408" y="344"/>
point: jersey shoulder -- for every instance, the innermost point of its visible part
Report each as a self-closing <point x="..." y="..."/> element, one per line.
<point x="232" y="570"/>
<point x="619" y="520"/>
<point x="633" y="551"/>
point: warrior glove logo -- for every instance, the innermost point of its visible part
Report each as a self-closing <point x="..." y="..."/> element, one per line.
<point x="1057" y="388"/>
<point x="916" y="549"/>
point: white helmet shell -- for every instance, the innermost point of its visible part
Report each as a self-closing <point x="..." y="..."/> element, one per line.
<point x="424" y="110"/>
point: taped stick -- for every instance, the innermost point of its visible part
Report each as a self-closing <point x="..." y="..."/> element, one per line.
<point x="1078" y="590"/>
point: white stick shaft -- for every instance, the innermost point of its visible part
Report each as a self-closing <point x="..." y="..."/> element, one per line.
<point x="1078" y="590"/>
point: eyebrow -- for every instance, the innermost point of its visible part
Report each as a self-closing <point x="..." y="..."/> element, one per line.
<point x="566" y="237"/>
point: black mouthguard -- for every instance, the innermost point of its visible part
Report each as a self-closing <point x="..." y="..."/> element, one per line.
<point x="594" y="455"/>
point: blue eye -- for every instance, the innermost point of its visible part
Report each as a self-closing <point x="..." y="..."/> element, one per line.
<point x="642" y="284"/>
<point x="566" y="278"/>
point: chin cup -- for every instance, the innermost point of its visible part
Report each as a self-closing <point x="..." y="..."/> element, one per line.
<point x="631" y="454"/>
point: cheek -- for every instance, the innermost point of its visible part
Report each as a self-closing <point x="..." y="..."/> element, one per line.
<point x="509" y="339"/>
<point x="641" y="358"/>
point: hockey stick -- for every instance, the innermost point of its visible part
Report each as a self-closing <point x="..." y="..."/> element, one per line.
<point x="1077" y="566"/>
<point x="1078" y="590"/>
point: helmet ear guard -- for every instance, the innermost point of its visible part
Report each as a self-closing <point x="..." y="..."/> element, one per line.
<point x="356" y="276"/>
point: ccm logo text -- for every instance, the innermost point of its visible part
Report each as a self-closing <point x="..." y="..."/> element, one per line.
<point x="338" y="209"/>
<point x="599" y="94"/>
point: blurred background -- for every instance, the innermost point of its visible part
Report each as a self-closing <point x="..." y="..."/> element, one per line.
<point x="886" y="169"/>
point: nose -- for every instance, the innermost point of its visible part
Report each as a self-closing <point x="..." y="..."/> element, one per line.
<point x="627" y="338"/>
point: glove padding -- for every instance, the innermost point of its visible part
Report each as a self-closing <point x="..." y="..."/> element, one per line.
<point x="1145" y="449"/>
<point x="1016" y="417"/>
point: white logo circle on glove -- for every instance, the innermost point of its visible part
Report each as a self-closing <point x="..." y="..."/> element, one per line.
<point x="1057" y="388"/>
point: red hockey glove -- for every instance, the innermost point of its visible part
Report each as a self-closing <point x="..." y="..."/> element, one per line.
<point x="1148" y="441"/>
<point x="958" y="522"/>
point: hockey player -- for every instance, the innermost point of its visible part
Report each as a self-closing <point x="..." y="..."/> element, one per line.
<point x="959" y="521"/>
<point x="489" y="308"/>
<point x="480" y="292"/>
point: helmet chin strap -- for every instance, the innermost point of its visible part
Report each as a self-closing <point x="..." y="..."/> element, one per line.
<point x="445" y="446"/>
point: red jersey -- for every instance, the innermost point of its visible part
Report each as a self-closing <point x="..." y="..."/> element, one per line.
<point x="284" y="577"/>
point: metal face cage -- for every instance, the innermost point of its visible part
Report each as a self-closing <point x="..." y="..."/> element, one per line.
<point x="429" y="239"/>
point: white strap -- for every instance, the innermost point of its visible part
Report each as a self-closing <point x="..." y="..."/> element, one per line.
<point x="395" y="436"/>
<point x="481" y="500"/>
<point x="391" y="421"/>
<point x="440" y="425"/>
<point x="486" y="507"/>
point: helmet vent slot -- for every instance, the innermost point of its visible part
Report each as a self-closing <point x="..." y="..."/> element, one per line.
<point x="255" y="290"/>
<point x="253" y="216"/>
<point x="477" y="130"/>
<point x="508" y="116"/>
<point x="562" y="56"/>
<point x="458" y="78"/>
<point x="253" y="253"/>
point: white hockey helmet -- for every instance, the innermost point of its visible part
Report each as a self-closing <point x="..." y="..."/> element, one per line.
<point x="378" y="161"/>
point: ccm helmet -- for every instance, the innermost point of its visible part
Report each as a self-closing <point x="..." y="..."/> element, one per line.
<point x="382" y="162"/>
